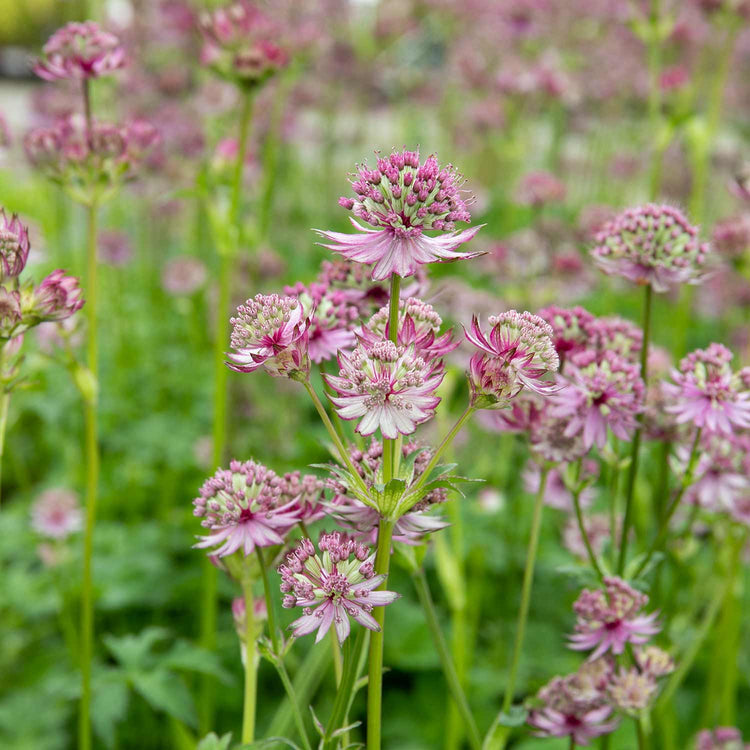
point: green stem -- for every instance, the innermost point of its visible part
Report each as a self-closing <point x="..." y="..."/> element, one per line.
<point x="375" y="678"/>
<point x="581" y="527"/>
<point x="251" y="667"/>
<point x="92" y="482"/>
<point x="687" y="480"/>
<point x="640" y="734"/>
<point x="449" y="669"/>
<point x="4" y="404"/>
<point x="572" y="742"/>
<point x="227" y="254"/>
<point x="294" y="702"/>
<point x="635" y="453"/>
<point x="270" y="609"/>
<point x="389" y="446"/>
<point x="528" y="578"/>
<point x="654" y="96"/>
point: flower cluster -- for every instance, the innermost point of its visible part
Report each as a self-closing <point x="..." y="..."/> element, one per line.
<point x="332" y="586"/>
<point x="241" y="43"/>
<point x="516" y="354"/>
<point x="651" y="244"/>
<point x="721" y="738"/>
<point x="56" y="514"/>
<point x="79" y="51"/>
<point x="402" y="199"/>
<point x="244" y="507"/>
<point x="271" y="331"/>
<point x="539" y="188"/>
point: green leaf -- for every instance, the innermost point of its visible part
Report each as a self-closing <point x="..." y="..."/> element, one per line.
<point x="109" y="703"/>
<point x="165" y="692"/>
<point x="134" y="651"/>
<point x="269" y="742"/>
<point x="214" y="742"/>
<point x="186" y="656"/>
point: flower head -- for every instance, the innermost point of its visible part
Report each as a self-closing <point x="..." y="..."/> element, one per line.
<point x="14" y="246"/>
<point x="10" y="312"/>
<point x="56" y="514"/>
<point x="332" y="587"/>
<point x="306" y="490"/>
<point x="707" y="393"/>
<point x="243" y="508"/>
<point x="517" y="354"/>
<point x="56" y="298"/>
<point x="538" y="188"/>
<point x="632" y="690"/>
<point x="271" y="331"/>
<point x="402" y="199"/>
<point x="721" y="738"/>
<point x="610" y="619"/>
<point x="651" y="244"/>
<point x="602" y="392"/>
<point x="80" y="51"/>
<point x="241" y="43"/>
<point x="653" y="660"/>
<point x="569" y="328"/>
<point x="385" y="386"/>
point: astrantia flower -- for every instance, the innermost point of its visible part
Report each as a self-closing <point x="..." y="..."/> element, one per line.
<point x="403" y="199"/>
<point x="539" y="188"/>
<point x="517" y="354"/>
<point x="243" y="508"/>
<point x="601" y="393"/>
<point x="307" y="493"/>
<point x="569" y="327"/>
<point x="385" y="386"/>
<point x="271" y="331"/>
<point x="14" y="246"/>
<point x="576" y="705"/>
<point x="610" y="619"/>
<point x="651" y="244"/>
<point x="332" y="321"/>
<point x="56" y="514"/>
<point x="332" y="587"/>
<point x="241" y="43"/>
<point x="80" y="51"/>
<point x="632" y="690"/>
<point x="10" y="312"/>
<point x="615" y="334"/>
<point x="363" y="521"/>
<point x="58" y="297"/>
<point x="653" y="660"/>
<point x="418" y="324"/>
<point x="707" y="393"/>
<point x="721" y="738"/>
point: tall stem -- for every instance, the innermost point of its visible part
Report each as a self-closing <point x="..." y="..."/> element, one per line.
<point x="389" y="446"/>
<point x="528" y="579"/>
<point x="375" y="679"/>
<point x="92" y="481"/>
<point x="251" y="667"/>
<point x="581" y="527"/>
<point x="654" y="96"/>
<point x="227" y="254"/>
<point x="449" y="669"/>
<point x="4" y="404"/>
<point x="635" y="453"/>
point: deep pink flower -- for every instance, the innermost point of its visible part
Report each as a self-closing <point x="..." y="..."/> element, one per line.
<point x="651" y="244"/>
<point x="517" y="354"/>
<point x="14" y="246"/>
<point x="403" y="199"/>
<point x="601" y="393"/>
<point x="79" y="51"/>
<point x="57" y="297"/>
<point x="271" y="331"/>
<point x="331" y="587"/>
<point x="243" y="508"/>
<point x="307" y="493"/>
<point x="57" y="514"/>
<point x="608" y="620"/>
<point x="569" y="327"/>
<point x="386" y="387"/>
<point x="707" y="393"/>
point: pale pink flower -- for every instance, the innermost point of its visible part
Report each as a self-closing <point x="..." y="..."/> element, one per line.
<point x="402" y="199"/>
<point x="539" y="188"/>
<point x="243" y="508"/>
<point x="57" y="297"/>
<point x="332" y="587"/>
<point x="608" y="620"/>
<point x="721" y="738"/>
<point x="14" y="246"/>
<point x="56" y="514"/>
<point x="632" y="690"/>
<point x="183" y="275"/>
<point x="386" y="387"/>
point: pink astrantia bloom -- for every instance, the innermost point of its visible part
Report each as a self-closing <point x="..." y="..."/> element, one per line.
<point x="721" y="738"/>
<point x="332" y="587"/>
<point x="601" y="393"/>
<point x="569" y="327"/>
<point x="241" y="43"/>
<point x="576" y="705"/>
<point x="608" y="620"/>
<point x="708" y="394"/>
<point x="386" y="387"/>
<point x="363" y="521"/>
<point x="58" y="297"/>
<point x="271" y="331"/>
<point x="632" y="690"/>
<point x="10" y="312"/>
<point x="56" y="514"/>
<point x="14" y="246"/>
<point x="517" y="354"/>
<point x="418" y="324"/>
<point x="306" y="490"/>
<point x="539" y="188"/>
<point x="402" y="199"/>
<point x="80" y="51"/>
<point x="332" y="321"/>
<point x="243" y="508"/>
<point x="651" y="244"/>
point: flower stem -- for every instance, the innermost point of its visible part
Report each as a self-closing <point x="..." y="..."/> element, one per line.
<point x="687" y="480"/>
<point x="640" y="734"/>
<point x="654" y="97"/>
<point x="572" y="742"/>
<point x="528" y="579"/>
<point x="4" y="404"/>
<point x="251" y="667"/>
<point x="92" y="482"/>
<point x="635" y="453"/>
<point x="389" y="446"/>
<point x="449" y="669"/>
<point x="270" y="610"/>
<point x="581" y="527"/>
<point x="227" y="254"/>
<point x="375" y="679"/>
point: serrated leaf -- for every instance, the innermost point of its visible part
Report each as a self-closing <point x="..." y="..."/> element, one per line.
<point x="515" y="716"/>
<point x="109" y="703"/>
<point x="213" y="742"/>
<point x="133" y="651"/>
<point x="166" y="692"/>
<point x="343" y="730"/>
<point x="186" y="656"/>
